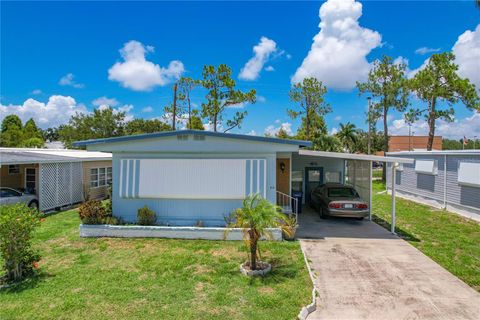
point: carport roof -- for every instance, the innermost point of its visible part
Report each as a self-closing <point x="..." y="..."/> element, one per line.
<point x="354" y="156"/>
<point x="10" y="156"/>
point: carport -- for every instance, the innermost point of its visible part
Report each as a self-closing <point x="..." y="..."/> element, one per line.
<point x="357" y="172"/>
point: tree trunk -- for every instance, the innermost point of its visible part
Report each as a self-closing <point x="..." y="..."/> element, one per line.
<point x="174" y="111"/>
<point x="431" y="124"/>
<point x="189" y="112"/>
<point x="215" y="122"/>
<point x="253" y="249"/>
<point x="385" y="143"/>
<point x="307" y="119"/>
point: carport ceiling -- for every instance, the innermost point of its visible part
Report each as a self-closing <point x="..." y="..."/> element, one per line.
<point x="353" y="156"/>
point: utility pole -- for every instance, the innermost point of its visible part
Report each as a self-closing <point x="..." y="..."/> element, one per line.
<point x="409" y="137"/>
<point x="174" y="111"/>
<point x="369" y="125"/>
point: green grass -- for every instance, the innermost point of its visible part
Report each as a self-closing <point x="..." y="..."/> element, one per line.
<point x="377" y="173"/>
<point x="153" y="279"/>
<point x="449" y="239"/>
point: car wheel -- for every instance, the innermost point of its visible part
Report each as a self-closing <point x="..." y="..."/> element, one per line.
<point x="360" y="218"/>
<point x="33" y="205"/>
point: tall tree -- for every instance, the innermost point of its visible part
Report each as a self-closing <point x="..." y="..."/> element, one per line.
<point x="221" y="94"/>
<point x="139" y="126"/>
<point x="347" y="135"/>
<point x="438" y="82"/>
<point x="310" y="97"/>
<point x="12" y="131"/>
<point x="51" y="134"/>
<point x="388" y="86"/>
<point x="194" y="121"/>
<point x="102" y="123"/>
<point x="185" y="87"/>
<point x="30" y="130"/>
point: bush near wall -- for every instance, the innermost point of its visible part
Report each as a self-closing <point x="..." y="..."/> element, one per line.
<point x="146" y="217"/>
<point x="17" y="224"/>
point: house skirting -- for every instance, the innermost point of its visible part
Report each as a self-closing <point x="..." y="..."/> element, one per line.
<point x="205" y="233"/>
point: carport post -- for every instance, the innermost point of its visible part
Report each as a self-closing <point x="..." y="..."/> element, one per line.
<point x="371" y="192"/>
<point x="394" y="169"/>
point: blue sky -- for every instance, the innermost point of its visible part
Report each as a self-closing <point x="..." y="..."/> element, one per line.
<point x="43" y="43"/>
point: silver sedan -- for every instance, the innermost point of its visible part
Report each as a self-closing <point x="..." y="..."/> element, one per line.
<point x="334" y="199"/>
<point x="11" y="196"/>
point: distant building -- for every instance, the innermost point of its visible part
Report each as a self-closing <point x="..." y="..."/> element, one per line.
<point x="412" y="143"/>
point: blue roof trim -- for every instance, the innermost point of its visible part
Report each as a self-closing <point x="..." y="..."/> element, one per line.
<point x="199" y="132"/>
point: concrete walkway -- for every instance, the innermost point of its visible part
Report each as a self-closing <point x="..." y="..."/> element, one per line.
<point x="364" y="272"/>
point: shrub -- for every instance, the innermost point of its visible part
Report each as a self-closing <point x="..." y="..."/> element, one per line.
<point x="92" y="212"/>
<point x="17" y="224"/>
<point x="108" y="205"/>
<point x="146" y="217"/>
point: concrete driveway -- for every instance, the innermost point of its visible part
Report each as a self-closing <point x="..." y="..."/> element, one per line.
<point x="364" y="272"/>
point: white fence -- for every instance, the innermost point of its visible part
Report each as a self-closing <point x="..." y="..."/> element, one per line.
<point x="60" y="184"/>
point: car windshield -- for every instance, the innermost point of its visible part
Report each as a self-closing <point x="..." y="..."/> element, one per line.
<point x="342" y="193"/>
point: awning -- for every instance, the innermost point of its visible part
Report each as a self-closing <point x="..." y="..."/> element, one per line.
<point x="354" y="156"/>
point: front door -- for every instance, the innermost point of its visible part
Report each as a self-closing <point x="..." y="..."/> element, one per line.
<point x="313" y="178"/>
<point x="31" y="180"/>
<point x="283" y="175"/>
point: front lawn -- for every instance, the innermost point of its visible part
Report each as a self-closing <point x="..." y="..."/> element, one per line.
<point x="153" y="279"/>
<point x="449" y="239"/>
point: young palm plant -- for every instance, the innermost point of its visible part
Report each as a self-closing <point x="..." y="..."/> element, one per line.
<point x="255" y="217"/>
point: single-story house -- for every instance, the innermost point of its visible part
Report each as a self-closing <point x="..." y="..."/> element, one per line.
<point x="446" y="179"/>
<point x="58" y="177"/>
<point x="192" y="176"/>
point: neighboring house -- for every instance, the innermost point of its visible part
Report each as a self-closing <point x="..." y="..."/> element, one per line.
<point x="445" y="179"/>
<point x="190" y="176"/>
<point x="411" y="143"/>
<point x="57" y="177"/>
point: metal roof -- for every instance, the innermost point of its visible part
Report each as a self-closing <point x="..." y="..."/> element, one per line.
<point x="435" y="152"/>
<point x="300" y="143"/>
<point x="353" y="156"/>
<point x="28" y="156"/>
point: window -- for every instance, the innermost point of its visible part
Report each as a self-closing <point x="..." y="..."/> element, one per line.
<point x="469" y="174"/>
<point x="13" y="169"/>
<point x="8" y="193"/>
<point x="426" y="167"/>
<point x="333" y="176"/>
<point x="342" y="193"/>
<point x="30" y="180"/>
<point x="100" y="177"/>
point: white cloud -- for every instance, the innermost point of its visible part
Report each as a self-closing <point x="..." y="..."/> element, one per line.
<point x="139" y="74"/>
<point x="69" y="80"/>
<point x="338" y="118"/>
<point x="240" y="105"/>
<point x="147" y="109"/>
<point x="424" y="50"/>
<point x="37" y="91"/>
<point x="409" y="72"/>
<point x="338" y="53"/>
<point x="261" y="99"/>
<point x="271" y="130"/>
<point x="56" y="111"/>
<point x="105" y="101"/>
<point x="467" y="55"/>
<point x="125" y="108"/>
<point x="288" y="56"/>
<point x="269" y="68"/>
<point x="333" y="131"/>
<point x="469" y="127"/>
<point x="252" y="133"/>
<point x="209" y="126"/>
<point x="262" y="53"/>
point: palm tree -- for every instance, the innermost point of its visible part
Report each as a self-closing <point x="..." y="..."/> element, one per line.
<point x="328" y="143"/>
<point x="347" y="135"/>
<point x="255" y="217"/>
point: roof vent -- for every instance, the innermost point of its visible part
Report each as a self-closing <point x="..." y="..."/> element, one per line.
<point x="198" y="137"/>
<point x="182" y="137"/>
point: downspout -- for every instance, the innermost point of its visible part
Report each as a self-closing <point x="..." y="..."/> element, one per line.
<point x="445" y="182"/>
<point x="394" y="169"/>
<point x="371" y="191"/>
